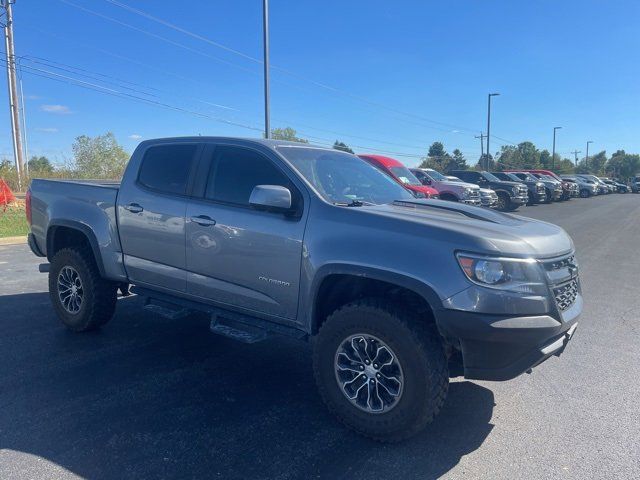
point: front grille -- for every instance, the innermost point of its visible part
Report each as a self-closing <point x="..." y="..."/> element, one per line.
<point x="540" y="188"/>
<point x="563" y="277"/>
<point x="523" y="190"/>
<point x="561" y="263"/>
<point x="566" y="294"/>
<point x="474" y="194"/>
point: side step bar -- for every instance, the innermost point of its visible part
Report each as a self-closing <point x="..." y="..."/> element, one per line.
<point x="238" y="326"/>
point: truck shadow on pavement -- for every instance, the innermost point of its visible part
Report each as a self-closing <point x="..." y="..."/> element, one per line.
<point x="147" y="397"/>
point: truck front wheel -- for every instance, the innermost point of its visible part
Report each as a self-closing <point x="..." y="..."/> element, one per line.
<point x="82" y="299"/>
<point x="380" y="369"/>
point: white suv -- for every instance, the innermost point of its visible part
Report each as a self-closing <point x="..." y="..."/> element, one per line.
<point x="462" y="192"/>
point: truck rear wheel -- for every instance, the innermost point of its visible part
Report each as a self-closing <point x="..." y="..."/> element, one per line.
<point x="380" y="369"/>
<point x="82" y="299"/>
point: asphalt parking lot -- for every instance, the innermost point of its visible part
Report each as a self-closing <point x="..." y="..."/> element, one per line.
<point x="148" y="397"/>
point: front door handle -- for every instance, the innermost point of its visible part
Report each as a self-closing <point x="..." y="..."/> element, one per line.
<point x="203" y="220"/>
<point x="133" y="208"/>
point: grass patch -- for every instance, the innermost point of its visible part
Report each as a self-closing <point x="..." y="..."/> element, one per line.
<point x="13" y="221"/>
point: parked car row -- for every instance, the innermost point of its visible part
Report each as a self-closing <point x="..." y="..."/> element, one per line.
<point x="506" y="191"/>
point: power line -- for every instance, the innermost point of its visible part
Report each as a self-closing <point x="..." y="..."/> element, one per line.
<point x="253" y="59"/>
<point x="95" y="76"/>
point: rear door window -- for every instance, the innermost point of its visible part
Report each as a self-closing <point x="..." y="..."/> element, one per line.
<point x="166" y="168"/>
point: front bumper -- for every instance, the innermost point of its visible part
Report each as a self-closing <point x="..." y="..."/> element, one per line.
<point x="471" y="201"/>
<point x="498" y="347"/>
<point x="489" y="202"/>
<point x="519" y="199"/>
<point x="540" y="197"/>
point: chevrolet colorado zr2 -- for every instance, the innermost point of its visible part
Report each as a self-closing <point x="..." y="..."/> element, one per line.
<point x="395" y="293"/>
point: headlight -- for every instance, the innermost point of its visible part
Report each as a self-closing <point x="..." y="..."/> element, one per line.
<point x="522" y="275"/>
<point x="515" y="190"/>
<point x="466" y="192"/>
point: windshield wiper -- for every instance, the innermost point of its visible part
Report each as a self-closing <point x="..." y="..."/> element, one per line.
<point x="353" y="203"/>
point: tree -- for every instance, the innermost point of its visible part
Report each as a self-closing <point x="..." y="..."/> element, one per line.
<point x="436" y="150"/>
<point x="288" y="134"/>
<point x="99" y="157"/>
<point x="486" y="161"/>
<point x="437" y="158"/>
<point x="564" y="166"/>
<point x="623" y="165"/>
<point x="458" y="162"/>
<point x="545" y="160"/>
<point x="524" y="155"/>
<point x="40" y="164"/>
<point x="342" y="146"/>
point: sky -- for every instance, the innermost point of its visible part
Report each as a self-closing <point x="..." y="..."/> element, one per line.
<point x="384" y="77"/>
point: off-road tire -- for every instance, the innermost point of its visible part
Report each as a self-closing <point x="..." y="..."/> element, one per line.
<point x="419" y="350"/>
<point x="99" y="295"/>
<point x="532" y="200"/>
<point x="549" y="196"/>
<point x="503" y="202"/>
<point x="584" y="193"/>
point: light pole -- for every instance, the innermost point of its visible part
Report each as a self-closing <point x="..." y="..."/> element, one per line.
<point x="265" y="33"/>
<point x="586" y="159"/>
<point x="489" y="127"/>
<point x="553" y="150"/>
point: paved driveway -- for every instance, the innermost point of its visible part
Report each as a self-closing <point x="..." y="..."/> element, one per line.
<point x="151" y="398"/>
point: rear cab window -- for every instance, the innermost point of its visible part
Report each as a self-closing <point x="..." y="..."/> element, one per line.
<point x="167" y="168"/>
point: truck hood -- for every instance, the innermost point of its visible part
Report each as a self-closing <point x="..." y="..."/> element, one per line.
<point x="451" y="184"/>
<point x="464" y="227"/>
<point x="506" y="183"/>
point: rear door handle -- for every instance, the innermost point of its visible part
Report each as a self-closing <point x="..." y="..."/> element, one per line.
<point x="133" y="208"/>
<point x="203" y="220"/>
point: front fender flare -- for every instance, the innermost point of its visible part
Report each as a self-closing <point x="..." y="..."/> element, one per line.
<point x="410" y="283"/>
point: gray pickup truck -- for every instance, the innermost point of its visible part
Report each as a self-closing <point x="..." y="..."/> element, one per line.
<point x="397" y="294"/>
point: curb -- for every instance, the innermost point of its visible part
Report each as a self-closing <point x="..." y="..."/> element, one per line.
<point x="13" y="240"/>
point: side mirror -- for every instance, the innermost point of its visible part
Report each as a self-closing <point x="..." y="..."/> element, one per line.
<point x="272" y="198"/>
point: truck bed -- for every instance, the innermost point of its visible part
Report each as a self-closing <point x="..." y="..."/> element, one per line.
<point x="89" y="205"/>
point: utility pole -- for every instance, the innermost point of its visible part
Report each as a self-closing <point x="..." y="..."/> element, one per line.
<point x="586" y="160"/>
<point x="481" y="137"/>
<point x="553" y="150"/>
<point x="265" y="33"/>
<point x="489" y="128"/>
<point x="575" y="154"/>
<point x="14" y="105"/>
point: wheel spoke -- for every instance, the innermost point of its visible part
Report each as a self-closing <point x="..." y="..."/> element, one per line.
<point x="352" y="388"/>
<point x="374" y="402"/>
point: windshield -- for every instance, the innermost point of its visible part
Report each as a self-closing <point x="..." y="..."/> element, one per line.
<point x="437" y="176"/>
<point x="343" y="178"/>
<point x="514" y="177"/>
<point x="491" y="178"/>
<point x="405" y="176"/>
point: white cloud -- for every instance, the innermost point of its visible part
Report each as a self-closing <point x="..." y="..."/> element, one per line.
<point x="135" y="136"/>
<point x="57" y="109"/>
<point x="32" y="97"/>
<point x="47" y="129"/>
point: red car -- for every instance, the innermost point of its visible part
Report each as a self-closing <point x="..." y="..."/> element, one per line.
<point x="568" y="190"/>
<point x="400" y="174"/>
